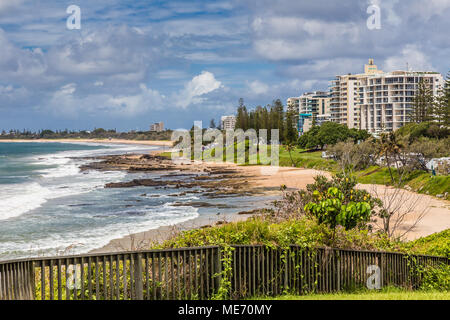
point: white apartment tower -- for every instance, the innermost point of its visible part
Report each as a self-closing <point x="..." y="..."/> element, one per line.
<point x="377" y="101"/>
<point x="387" y="99"/>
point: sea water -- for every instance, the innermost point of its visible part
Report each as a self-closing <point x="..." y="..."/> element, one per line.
<point x="48" y="207"/>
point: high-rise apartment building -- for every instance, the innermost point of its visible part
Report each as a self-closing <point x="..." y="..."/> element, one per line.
<point x="377" y="101"/>
<point x="387" y="100"/>
<point x="345" y="96"/>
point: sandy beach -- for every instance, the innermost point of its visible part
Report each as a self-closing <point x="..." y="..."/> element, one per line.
<point x="105" y="141"/>
<point x="437" y="216"/>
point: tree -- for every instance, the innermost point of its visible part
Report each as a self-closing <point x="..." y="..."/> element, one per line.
<point x="242" y="116"/>
<point x="351" y="156"/>
<point x="328" y="134"/>
<point x="442" y="104"/>
<point x="290" y="134"/>
<point x="399" y="211"/>
<point x="212" y="124"/>
<point x="389" y="147"/>
<point x="290" y="147"/>
<point x="423" y="104"/>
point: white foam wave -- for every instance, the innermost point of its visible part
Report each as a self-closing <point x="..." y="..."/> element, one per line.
<point x="88" y="239"/>
<point x="20" y="198"/>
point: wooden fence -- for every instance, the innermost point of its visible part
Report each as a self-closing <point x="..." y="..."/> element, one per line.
<point x="196" y="273"/>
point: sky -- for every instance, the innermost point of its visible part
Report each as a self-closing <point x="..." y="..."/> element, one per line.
<point x="134" y="62"/>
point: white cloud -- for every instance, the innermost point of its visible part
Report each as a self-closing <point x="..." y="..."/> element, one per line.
<point x="64" y="102"/>
<point x="257" y="87"/>
<point x="20" y="64"/>
<point x="147" y="99"/>
<point x="285" y="38"/>
<point x="410" y="55"/>
<point x="171" y="74"/>
<point x="194" y="90"/>
<point x="7" y="4"/>
<point x="428" y="9"/>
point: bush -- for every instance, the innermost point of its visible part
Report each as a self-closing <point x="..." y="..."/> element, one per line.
<point x="293" y="203"/>
<point x="351" y="156"/>
<point x="436" y="278"/>
<point x="329" y="209"/>
<point x="414" y="131"/>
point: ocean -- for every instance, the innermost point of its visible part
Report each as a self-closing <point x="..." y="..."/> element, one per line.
<point x="48" y="207"/>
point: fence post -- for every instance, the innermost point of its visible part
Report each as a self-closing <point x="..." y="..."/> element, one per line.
<point x="381" y="269"/>
<point x="138" y="286"/>
<point x="218" y="270"/>
<point x="338" y="266"/>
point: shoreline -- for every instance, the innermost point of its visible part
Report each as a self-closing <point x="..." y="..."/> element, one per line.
<point x="164" y="143"/>
<point x="217" y="180"/>
<point x="143" y="240"/>
<point x="260" y="178"/>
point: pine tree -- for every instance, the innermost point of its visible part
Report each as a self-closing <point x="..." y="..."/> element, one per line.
<point x="423" y="104"/>
<point x="442" y="104"/>
<point x="290" y="134"/>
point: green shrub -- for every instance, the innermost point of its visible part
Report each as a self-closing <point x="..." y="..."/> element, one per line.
<point x="436" y="278"/>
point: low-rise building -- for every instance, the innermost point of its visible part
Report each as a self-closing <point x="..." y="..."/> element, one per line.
<point x="157" y="127"/>
<point x="228" y="122"/>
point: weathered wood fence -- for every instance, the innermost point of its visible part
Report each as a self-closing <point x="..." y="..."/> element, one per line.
<point x="196" y="273"/>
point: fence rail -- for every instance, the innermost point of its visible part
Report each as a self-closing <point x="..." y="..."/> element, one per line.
<point x="196" y="273"/>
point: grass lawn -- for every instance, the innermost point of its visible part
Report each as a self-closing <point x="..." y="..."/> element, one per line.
<point x="418" y="181"/>
<point x="393" y="294"/>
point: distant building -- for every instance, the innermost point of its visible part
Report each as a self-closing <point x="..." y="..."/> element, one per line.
<point x="311" y="108"/>
<point x="228" y="122"/>
<point x="157" y="127"/>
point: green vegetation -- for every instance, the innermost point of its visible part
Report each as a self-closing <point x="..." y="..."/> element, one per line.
<point x="418" y="181"/>
<point x="330" y="133"/>
<point x="99" y="133"/>
<point x="292" y="221"/>
<point x="437" y="244"/>
<point x="385" y="294"/>
<point x="305" y="232"/>
<point x="305" y="159"/>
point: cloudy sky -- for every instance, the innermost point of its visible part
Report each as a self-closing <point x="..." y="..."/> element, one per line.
<point x="135" y="62"/>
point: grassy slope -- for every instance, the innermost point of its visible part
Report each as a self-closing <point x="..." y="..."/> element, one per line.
<point x="436" y="244"/>
<point x="418" y="181"/>
<point x="388" y="294"/>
